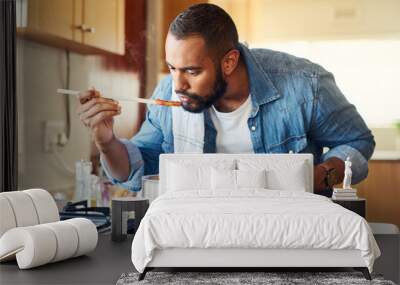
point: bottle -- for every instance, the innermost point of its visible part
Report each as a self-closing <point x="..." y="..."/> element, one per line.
<point x="95" y="191"/>
<point x="82" y="180"/>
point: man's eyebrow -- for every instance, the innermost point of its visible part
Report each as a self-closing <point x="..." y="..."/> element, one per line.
<point x="190" y="67"/>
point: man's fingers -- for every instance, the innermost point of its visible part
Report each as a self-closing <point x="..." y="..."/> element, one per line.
<point x="94" y="109"/>
<point x="87" y="95"/>
<point x="96" y="93"/>
<point x="98" y="109"/>
<point x="100" y="117"/>
<point x="85" y="122"/>
<point x="95" y="102"/>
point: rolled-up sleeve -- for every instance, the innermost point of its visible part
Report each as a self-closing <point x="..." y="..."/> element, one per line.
<point x="336" y="124"/>
<point x="133" y="183"/>
<point x="359" y="162"/>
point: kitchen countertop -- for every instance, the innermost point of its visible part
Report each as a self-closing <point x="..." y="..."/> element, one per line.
<point x="386" y="155"/>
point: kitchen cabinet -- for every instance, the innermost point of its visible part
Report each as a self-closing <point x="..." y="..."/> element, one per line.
<point x="55" y="17"/>
<point x="381" y="189"/>
<point x="103" y="24"/>
<point x="262" y="22"/>
<point x="171" y="9"/>
<point x="84" y="26"/>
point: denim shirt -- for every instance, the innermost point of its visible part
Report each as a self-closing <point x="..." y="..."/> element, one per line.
<point x="296" y="106"/>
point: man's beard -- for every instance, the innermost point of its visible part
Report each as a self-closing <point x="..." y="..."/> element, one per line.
<point x="202" y="103"/>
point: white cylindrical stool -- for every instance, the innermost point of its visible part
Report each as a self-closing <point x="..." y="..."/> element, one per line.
<point x="121" y="208"/>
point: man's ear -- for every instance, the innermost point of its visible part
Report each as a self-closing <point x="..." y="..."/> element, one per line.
<point x="230" y="61"/>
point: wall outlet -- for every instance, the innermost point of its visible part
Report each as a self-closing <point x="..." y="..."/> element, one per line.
<point x="52" y="132"/>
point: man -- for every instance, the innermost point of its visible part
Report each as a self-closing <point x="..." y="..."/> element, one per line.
<point x="248" y="101"/>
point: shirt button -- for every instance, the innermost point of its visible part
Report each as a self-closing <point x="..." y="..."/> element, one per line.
<point x="253" y="128"/>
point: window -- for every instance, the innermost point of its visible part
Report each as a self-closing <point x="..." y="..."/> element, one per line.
<point x="366" y="71"/>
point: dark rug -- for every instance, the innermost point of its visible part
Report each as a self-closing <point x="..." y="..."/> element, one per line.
<point x="229" y="278"/>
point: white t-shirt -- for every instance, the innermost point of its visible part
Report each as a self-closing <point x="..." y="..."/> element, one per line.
<point x="233" y="134"/>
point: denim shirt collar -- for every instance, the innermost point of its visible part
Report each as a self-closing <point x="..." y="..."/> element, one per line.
<point x="262" y="89"/>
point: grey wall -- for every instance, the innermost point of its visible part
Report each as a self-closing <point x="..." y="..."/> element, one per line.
<point x="40" y="71"/>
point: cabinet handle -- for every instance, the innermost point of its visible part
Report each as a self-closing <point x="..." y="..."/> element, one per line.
<point x="86" y="29"/>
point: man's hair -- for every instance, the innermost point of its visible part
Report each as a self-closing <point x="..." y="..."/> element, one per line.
<point x="210" y="22"/>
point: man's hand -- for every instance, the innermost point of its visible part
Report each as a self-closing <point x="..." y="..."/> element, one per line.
<point x="319" y="178"/>
<point x="320" y="172"/>
<point x="97" y="114"/>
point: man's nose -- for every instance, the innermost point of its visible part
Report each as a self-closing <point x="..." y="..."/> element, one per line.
<point x="180" y="82"/>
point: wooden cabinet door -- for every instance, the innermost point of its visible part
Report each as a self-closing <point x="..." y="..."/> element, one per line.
<point x="171" y="9"/>
<point x="103" y="22"/>
<point x="53" y="17"/>
<point x="381" y="189"/>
